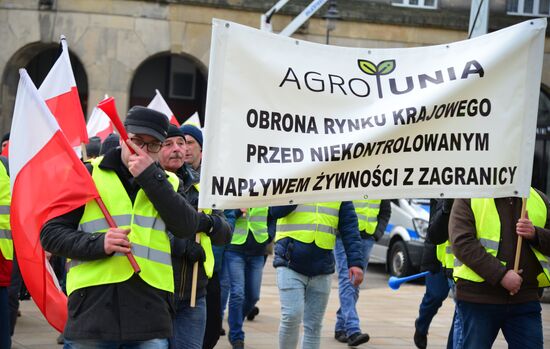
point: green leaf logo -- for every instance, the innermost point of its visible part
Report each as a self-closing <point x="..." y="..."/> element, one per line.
<point x="367" y="67"/>
<point x="383" y="68"/>
<point x="386" y="67"/>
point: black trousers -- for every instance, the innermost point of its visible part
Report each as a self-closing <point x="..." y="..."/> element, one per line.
<point x="13" y="293"/>
<point x="213" y="313"/>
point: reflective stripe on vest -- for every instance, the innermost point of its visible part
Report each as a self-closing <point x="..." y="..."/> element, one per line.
<point x="138" y="251"/>
<point x="6" y="242"/>
<point x="445" y="255"/>
<point x="367" y="214"/>
<point x="5" y="234"/>
<point x="148" y="237"/>
<point x="488" y="233"/>
<point x="255" y="220"/>
<point x="311" y="223"/>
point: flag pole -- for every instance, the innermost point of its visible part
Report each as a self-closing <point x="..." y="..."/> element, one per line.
<point x="83" y="151"/>
<point x="112" y="224"/>
<point x="520" y="239"/>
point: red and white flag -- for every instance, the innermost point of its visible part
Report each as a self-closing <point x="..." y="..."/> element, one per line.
<point x="47" y="180"/>
<point x="194" y="120"/>
<point x="61" y="95"/>
<point x="159" y="104"/>
<point x="99" y="124"/>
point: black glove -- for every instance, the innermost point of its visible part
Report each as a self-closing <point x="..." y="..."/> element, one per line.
<point x="205" y="223"/>
<point x="194" y="252"/>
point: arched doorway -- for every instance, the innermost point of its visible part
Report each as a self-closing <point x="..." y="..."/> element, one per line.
<point x="37" y="59"/>
<point x="180" y="79"/>
<point x="541" y="170"/>
<point x="40" y="65"/>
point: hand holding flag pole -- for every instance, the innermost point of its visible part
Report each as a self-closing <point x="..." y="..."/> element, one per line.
<point x="520" y="239"/>
<point x="108" y="106"/>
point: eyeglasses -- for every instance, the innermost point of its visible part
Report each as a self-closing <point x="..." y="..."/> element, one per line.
<point x="152" y="147"/>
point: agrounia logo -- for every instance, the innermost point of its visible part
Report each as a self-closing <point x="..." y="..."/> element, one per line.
<point x="383" y="68"/>
<point x="360" y="87"/>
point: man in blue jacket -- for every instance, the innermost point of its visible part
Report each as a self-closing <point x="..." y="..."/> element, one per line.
<point x="305" y="237"/>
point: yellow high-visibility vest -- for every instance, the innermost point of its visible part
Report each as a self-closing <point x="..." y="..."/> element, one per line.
<point x="255" y="221"/>
<point x="367" y="214"/>
<point x="6" y="242"/>
<point x="445" y="255"/>
<point x="206" y="244"/>
<point x="488" y="233"/>
<point x="150" y="243"/>
<point x="311" y="223"/>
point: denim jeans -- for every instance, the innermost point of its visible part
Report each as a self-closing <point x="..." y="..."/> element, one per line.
<point x="437" y="290"/>
<point x="521" y="324"/>
<point x="5" y="336"/>
<point x="189" y="325"/>
<point x="100" y="344"/>
<point x="455" y="333"/>
<point x="245" y="277"/>
<point x="302" y="297"/>
<point x="347" y="319"/>
<point x="224" y="285"/>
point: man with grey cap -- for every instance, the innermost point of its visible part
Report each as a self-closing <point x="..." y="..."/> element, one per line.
<point x="190" y="322"/>
<point x="109" y="305"/>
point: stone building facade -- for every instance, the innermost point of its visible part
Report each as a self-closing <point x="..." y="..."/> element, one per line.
<point x="119" y="47"/>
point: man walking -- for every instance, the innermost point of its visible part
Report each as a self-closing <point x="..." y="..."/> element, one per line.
<point x="373" y="217"/>
<point x="304" y="239"/>
<point x="491" y="296"/>
<point x="190" y="322"/>
<point x="109" y="305"/>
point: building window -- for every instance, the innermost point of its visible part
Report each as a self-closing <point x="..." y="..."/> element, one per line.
<point x="529" y="7"/>
<point x="426" y="4"/>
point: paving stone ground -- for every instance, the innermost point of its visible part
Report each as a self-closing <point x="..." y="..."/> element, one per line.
<point x="387" y="315"/>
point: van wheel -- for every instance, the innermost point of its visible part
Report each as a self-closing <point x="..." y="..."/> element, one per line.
<point x="399" y="263"/>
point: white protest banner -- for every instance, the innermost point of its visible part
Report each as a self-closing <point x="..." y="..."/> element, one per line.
<point x="290" y="121"/>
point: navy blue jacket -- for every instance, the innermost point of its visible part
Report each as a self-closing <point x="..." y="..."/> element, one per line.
<point x="311" y="260"/>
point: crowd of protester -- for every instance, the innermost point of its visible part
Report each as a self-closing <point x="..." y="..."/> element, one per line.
<point x="196" y="264"/>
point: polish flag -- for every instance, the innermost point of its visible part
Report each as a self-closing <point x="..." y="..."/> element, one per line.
<point x="61" y="95"/>
<point x="194" y="120"/>
<point x="99" y="124"/>
<point x="47" y="180"/>
<point x="159" y="104"/>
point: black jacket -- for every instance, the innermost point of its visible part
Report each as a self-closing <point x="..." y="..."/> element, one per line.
<point x="181" y="263"/>
<point x="438" y="233"/>
<point x="382" y="221"/>
<point x="129" y="310"/>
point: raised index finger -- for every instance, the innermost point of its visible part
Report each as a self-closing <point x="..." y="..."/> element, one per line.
<point x="133" y="146"/>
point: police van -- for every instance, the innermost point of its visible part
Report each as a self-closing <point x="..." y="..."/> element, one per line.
<point x="400" y="248"/>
